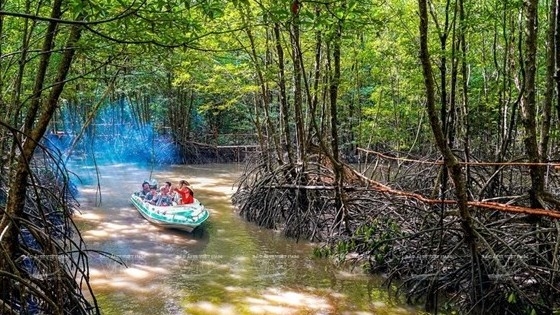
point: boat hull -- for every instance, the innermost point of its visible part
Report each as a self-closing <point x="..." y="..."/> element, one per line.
<point x="181" y="217"/>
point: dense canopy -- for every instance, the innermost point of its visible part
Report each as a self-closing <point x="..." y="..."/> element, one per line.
<point x="452" y="106"/>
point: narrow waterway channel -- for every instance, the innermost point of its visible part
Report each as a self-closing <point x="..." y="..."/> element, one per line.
<point x="227" y="267"/>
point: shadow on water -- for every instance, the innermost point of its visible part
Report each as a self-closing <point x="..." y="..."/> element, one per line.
<point x="227" y="267"/>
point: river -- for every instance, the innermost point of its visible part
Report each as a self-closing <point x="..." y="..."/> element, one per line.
<point x="228" y="267"/>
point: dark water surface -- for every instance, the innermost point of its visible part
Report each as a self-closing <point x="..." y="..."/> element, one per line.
<point x="228" y="267"/>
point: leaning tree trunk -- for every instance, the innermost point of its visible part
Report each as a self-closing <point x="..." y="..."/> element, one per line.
<point x="19" y="174"/>
<point x="451" y="162"/>
<point x="37" y="120"/>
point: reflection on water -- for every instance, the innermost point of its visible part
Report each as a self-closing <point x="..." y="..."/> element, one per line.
<point x="228" y="267"/>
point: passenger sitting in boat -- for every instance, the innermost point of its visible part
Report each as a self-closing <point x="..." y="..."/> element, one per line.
<point x="163" y="198"/>
<point x="185" y="193"/>
<point x="145" y="190"/>
<point x="151" y="195"/>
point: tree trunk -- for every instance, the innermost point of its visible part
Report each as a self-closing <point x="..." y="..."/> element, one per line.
<point x="549" y="88"/>
<point x="557" y="52"/>
<point x="341" y="218"/>
<point x="35" y="126"/>
<point x="528" y="105"/>
<point x="314" y="97"/>
<point x="452" y="164"/>
<point x="284" y="109"/>
<point x="298" y="93"/>
<point x="263" y="100"/>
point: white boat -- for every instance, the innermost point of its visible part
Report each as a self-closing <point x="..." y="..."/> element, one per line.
<point x="183" y="217"/>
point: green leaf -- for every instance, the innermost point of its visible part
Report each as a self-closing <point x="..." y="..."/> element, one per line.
<point x="512" y="298"/>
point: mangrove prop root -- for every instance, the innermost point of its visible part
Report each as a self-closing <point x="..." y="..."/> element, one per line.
<point x="407" y="229"/>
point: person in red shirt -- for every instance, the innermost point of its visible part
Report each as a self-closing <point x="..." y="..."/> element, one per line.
<point x="186" y="194"/>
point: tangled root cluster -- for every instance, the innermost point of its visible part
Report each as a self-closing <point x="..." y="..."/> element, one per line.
<point x="512" y="268"/>
<point x="45" y="270"/>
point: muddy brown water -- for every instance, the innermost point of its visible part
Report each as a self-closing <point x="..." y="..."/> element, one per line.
<point x="228" y="267"/>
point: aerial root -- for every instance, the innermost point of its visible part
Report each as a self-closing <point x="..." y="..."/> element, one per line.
<point x="419" y="245"/>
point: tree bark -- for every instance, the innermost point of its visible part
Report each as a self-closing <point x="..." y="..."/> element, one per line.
<point x="341" y="217"/>
<point x="549" y="88"/>
<point x="263" y="100"/>
<point x="557" y="52"/>
<point x="450" y="161"/>
<point x="284" y="108"/>
<point x="528" y="105"/>
<point x="298" y="93"/>
<point x="35" y="129"/>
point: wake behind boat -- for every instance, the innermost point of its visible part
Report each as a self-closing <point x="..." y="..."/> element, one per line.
<point x="184" y="217"/>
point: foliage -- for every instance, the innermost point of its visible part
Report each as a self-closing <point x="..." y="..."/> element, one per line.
<point x="177" y="71"/>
